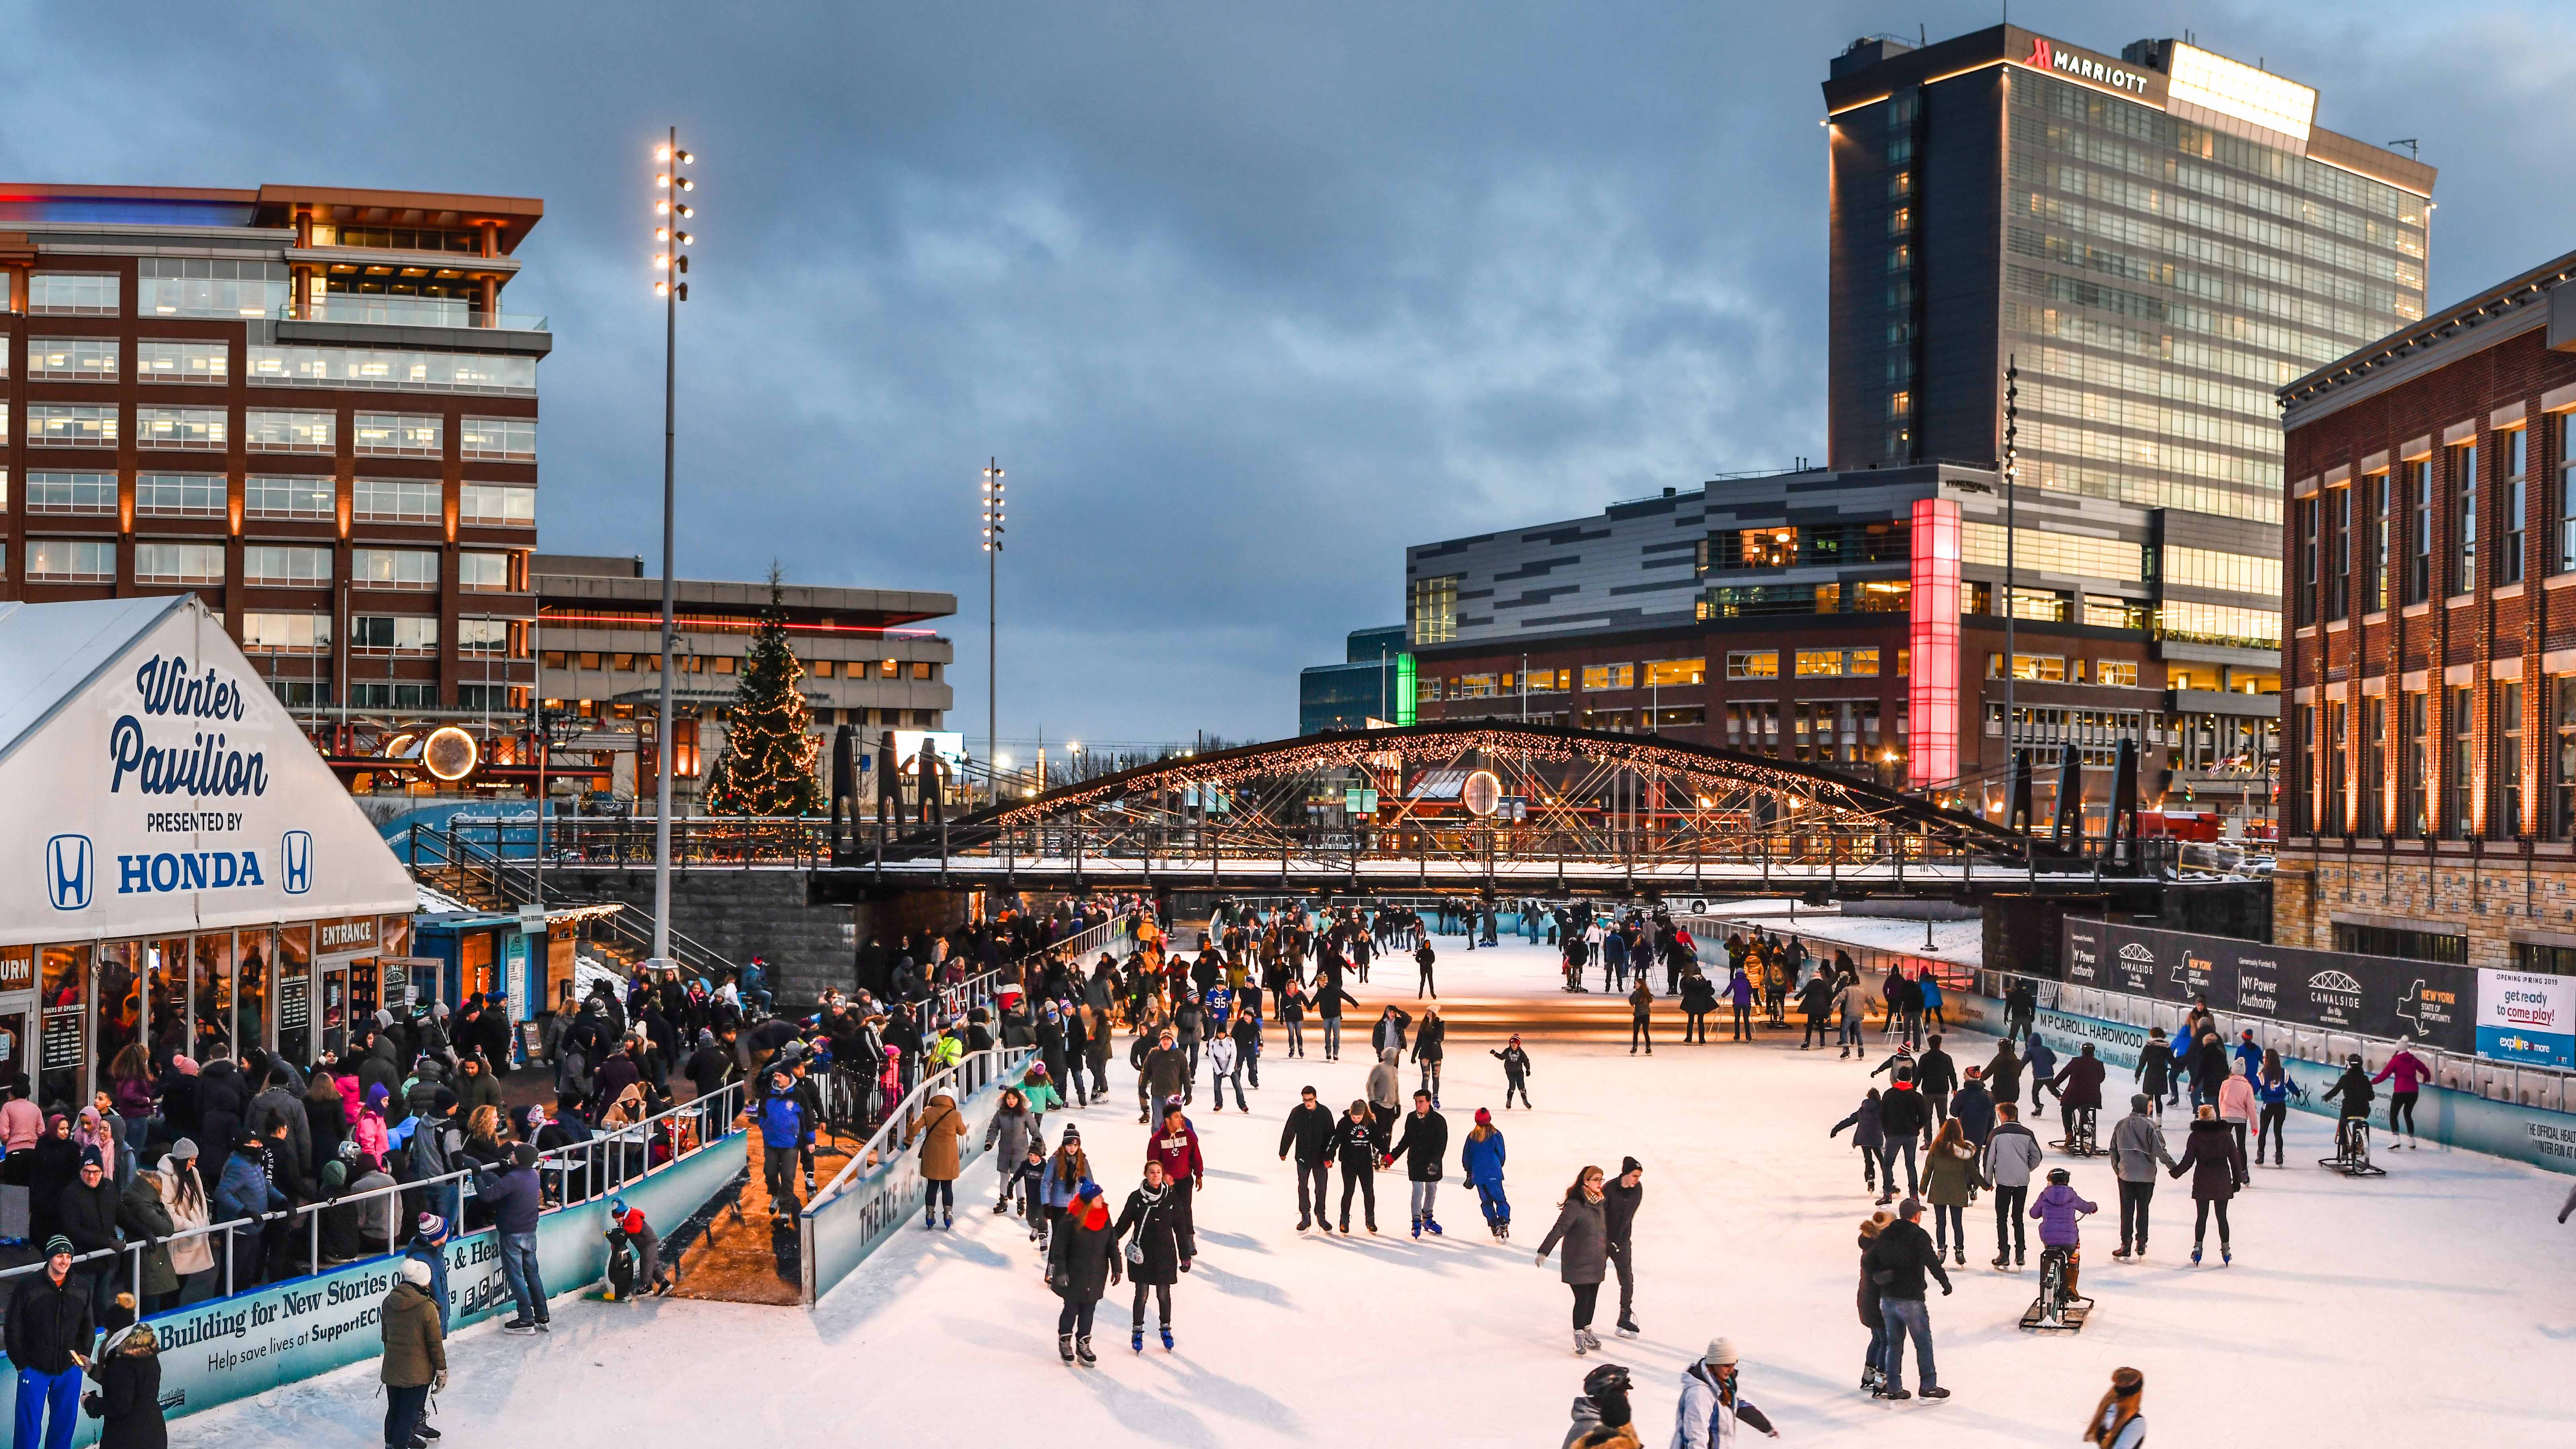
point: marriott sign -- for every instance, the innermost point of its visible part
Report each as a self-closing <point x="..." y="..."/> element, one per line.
<point x="2046" y="54"/>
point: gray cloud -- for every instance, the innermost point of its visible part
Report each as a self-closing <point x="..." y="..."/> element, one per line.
<point x="1245" y="299"/>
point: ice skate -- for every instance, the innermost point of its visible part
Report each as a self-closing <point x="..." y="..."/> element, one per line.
<point x="1433" y="1224"/>
<point x="1136" y="1339"/>
<point x="1167" y="1339"/>
<point x="1580" y="1347"/>
<point x="1082" y="1350"/>
<point x="1064" y="1346"/>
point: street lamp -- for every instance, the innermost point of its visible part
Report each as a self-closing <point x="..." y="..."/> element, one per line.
<point x="670" y="265"/>
<point x="992" y="596"/>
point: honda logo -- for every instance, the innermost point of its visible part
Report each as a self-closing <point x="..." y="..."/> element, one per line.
<point x="296" y="852"/>
<point x="68" y="863"/>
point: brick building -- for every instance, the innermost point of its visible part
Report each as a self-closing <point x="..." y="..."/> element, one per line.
<point x="2431" y="556"/>
<point x="304" y="404"/>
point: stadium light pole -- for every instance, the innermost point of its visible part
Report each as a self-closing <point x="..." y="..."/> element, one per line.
<point x="670" y="266"/>
<point x="992" y="599"/>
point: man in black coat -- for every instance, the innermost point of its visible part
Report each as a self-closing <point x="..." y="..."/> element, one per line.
<point x="1423" y="1146"/>
<point x="1936" y="1076"/>
<point x="1309" y="1133"/>
<point x="1620" y="1199"/>
<point x="50" y="1328"/>
<point x="1897" y="1264"/>
<point x="88" y="1217"/>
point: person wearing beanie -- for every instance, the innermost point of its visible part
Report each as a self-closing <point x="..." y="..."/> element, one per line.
<point x="87" y="1216"/>
<point x="1308" y="1133"/>
<point x="245" y="1191"/>
<point x="1601" y="1416"/>
<point x="1481" y="1158"/>
<point x="2117" y="1422"/>
<point x="2137" y="1146"/>
<point x="1516" y="1071"/>
<point x="413" y="1326"/>
<point x="1620" y="1200"/>
<point x="1712" y="1404"/>
<point x="51" y="1323"/>
<point x="1081" y="1264"/>
<point x="1058" y="1185"/>
<point x="1356" y="1146"/>
<point x="1898" y="1264"/>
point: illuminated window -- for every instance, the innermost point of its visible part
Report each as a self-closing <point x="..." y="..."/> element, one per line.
<point x="1609" y="676"/>
<point x="1475" y="686"/>
<point x="84" y="294"/>
<point x="1753" y="664"/>
<point x="273" y="431"/>
<point x="508" y="439"/>
<point x="182" y="361"/>
<point x="2123" y="672"/>
<point x="400" y="435"/>
<point x="1431" y="613"/>
<point x="1665" y="673"/>
<point x="196" y="428"/>
<point x="71" y="427"/>
<point x="498" y="507"/>
<point x="206" y="287"/>
<point x="72" y="359"/>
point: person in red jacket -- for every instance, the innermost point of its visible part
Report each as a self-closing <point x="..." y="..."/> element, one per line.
<point x="1175" y="1145"/>
<point x="2411" y="1075"/>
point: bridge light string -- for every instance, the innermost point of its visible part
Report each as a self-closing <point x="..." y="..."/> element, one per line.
<point x="1843" y="801"/>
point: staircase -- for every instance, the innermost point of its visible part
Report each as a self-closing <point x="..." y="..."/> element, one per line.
<point x="477" y="874"/>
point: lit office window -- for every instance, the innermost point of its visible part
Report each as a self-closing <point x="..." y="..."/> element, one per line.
<point x="207" y="287"/>
<point x="195" y="428"/>
<point x="72" y="359"/>
<point x="268" y="430"/>
<point x="400" y="435"/>
<point x="180" y="495"/>
<point x="79" y="294"/>
<point x="54" y="425"/>
<point x="508" y="439"/>
<point x="182" y="361"/>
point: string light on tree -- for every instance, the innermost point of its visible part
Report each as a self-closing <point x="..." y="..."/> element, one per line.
<point x="767" y="768"/>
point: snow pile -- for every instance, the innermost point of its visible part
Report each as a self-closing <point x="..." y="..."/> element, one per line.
<point x="2356" y="1313"/>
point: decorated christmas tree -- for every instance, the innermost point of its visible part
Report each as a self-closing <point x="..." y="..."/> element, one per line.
<point x="767" y="767"/>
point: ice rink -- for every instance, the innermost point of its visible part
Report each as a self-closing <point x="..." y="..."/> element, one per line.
<point x="2440" y="1299"/>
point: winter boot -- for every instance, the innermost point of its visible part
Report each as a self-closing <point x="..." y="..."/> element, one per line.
<point x="1167" y="1338"/>
<point x="1082" y="1350"/>
<point x="1064" y="1346"/>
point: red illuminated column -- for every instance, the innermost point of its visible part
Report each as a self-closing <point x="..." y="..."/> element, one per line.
<point x="1932" y="683"/>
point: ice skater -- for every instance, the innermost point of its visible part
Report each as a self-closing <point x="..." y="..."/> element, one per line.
<point x="1869" y="1134"/>
<point x="1355" y="1146"/>
<point x="1516" y="1071"/>
<point x="1424" y="1148"/>
<point x="1481" y="1158"/>
<point x="1149" y="1227"/>
<point x="2216" y="1161"/>
<point x="1585" y="1262"/>
<point x="1712" y="1404"/>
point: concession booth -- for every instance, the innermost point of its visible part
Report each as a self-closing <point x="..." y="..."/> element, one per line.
<point x="179" y="871"/>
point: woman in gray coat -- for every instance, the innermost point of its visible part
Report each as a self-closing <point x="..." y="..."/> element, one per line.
<point x="1580" y="1227"/>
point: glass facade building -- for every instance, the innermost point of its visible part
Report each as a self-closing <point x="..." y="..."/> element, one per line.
<point x="2158" y="240"/>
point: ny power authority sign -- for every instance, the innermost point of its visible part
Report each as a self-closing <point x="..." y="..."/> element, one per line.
<point x="166" y="790"/>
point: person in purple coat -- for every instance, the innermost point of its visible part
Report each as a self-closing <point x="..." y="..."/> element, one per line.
<point x="2060" y="1210"/>
<point x="1739" y="993"/>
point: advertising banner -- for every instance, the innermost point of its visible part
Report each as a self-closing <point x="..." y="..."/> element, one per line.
<point x="164" y="789"/>
<point x="2382" y="996"/>
<point x="2524" y="1018"/>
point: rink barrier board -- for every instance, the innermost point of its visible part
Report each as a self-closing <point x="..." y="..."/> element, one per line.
<point x="224" y="1350"/>
<point x="2534" y="1135"/>
<point x="841" y="1232"/>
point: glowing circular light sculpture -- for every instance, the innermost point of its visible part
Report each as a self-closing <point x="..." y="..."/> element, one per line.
<point x="449" y="753"/>
<point x="1481" y="793"/>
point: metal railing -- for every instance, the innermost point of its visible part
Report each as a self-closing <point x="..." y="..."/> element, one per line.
<point x="605" y="1163"/>
<point x="882" y="1182"/>
<point x="2549" y="1088"/>
<point x="472" y="867"/>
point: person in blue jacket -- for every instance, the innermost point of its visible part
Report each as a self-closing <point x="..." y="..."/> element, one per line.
<point x="2043" y="1065"/>
<point x="2273" y="1087"/>
<point x="244" y="1191"/>
<point x="1482" y="1158"/>
<point x="429" y="1244"/>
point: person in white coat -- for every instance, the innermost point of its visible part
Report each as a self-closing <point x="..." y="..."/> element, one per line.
<point x="1713" y="1410"/>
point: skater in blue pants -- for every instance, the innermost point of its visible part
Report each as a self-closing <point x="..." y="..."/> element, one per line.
<point x="1482" y="1157"/>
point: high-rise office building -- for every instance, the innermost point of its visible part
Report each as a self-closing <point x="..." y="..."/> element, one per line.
<point x="2159" y="239"/>
<point x="308" y="406"/>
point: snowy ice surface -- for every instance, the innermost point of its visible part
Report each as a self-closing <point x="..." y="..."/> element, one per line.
<point x="2438" y="1300"/>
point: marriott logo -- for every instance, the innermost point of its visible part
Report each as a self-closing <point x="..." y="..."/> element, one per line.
<point x="2044" y="55"/>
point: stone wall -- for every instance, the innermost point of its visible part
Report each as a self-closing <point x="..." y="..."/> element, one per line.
<point x="767" y="913"/>
<point x="2494" y="901"/>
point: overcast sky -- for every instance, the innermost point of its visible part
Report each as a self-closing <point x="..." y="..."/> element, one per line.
<point x="1244" y="298"/>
